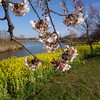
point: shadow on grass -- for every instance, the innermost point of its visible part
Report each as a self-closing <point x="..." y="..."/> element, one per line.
<point x="96" y="54"/>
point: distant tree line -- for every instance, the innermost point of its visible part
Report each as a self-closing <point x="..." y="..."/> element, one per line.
<point x="4" y="36"/>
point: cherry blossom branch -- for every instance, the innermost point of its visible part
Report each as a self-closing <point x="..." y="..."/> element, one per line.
<point x="34" y="10"/>
<point x="11" y="27"/>
<point x="20" y="9"/>
<point x="53" y="24"/>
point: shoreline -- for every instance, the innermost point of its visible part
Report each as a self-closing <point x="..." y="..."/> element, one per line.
<point x="4" y="49"/>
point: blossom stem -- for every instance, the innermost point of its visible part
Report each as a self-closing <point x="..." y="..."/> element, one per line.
<point x="57" y="13"/>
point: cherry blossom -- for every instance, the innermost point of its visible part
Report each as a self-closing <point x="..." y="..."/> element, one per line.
<point x="81" y="17"/>
<point x="60" y="65"/>
<point x="69" y="54"/>
<point x="44" y="36"/>
<point x="40" y="25"/>
<point x="20" y="9"/>
<point x="50" y="41"/>
<point x="47" y="37"/>
<point x="47" y="18"/>
<point x="52" y="38"/>
<point x="48" y="47"/>
<point x="32" y="64"/>
<point x="74" y="19"/>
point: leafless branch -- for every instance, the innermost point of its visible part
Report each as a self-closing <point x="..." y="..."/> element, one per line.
<point x="34" y="9"/>
<point x="24" y="47"/>
<point x="57" y="13"/>
<point x="10" y="25"/>
<point x="2" y="18"/>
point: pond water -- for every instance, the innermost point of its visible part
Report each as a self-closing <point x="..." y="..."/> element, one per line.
<point x="34" y="47"/>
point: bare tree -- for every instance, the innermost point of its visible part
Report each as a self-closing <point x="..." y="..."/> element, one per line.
<point x="88" y="26"/>
<point x="96" y="32"/>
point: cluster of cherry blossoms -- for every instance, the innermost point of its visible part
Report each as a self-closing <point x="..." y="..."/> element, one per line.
<point x="50" y="47"/>
<point x="49" y="39"/>
<point x="67" y="56"/>
<point x="40" y="25"/>
<point x="74" y="19"/>
<point x="32" y="64"/>
<point x="60" y="65"/>
<point x="20" y="9"/>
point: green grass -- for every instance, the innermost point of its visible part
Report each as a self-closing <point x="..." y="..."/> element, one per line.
<point x="81" y="82"/>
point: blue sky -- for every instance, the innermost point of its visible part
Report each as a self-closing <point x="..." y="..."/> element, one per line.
<point x="23" y="27"/>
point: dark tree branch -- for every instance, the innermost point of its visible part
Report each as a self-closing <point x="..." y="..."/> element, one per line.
<point x="57" y="13"/>
<point x="26" y="49"/>
<point x="50" y="16"/>
<point x="34" y="9"/>
<point x="46" y="1"/>
<point x="3" y="18"/>
<point x="10" y="25"/>
<point x="22" y="46"/>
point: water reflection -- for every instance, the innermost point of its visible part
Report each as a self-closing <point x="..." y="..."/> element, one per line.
<point x="34" y="47"/>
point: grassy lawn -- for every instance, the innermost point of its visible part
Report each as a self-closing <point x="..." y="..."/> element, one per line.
<point x="80" y="83"/>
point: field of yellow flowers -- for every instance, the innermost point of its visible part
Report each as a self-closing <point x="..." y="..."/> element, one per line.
<point x="16" y="80"/>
